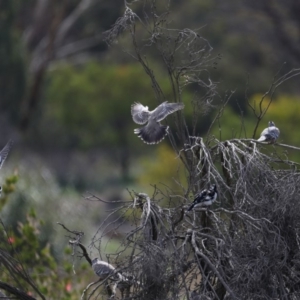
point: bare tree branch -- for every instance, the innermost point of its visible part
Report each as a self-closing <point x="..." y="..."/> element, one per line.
<point x="16" y="292"/>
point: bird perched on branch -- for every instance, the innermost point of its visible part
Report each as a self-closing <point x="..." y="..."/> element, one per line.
<point x="3" y="154"/>
<point x="104" y="269"/>
<point x="269" y="135"/>
<point x="153" y="132"/>
<point x="205" y="198"/>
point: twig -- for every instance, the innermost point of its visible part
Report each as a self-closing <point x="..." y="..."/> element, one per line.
<point x="17" y="292"/>
<point x="199" y="253"/>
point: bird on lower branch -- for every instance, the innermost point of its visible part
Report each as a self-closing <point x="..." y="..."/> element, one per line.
<point x="205" y="198"/>
<point x="104" y="269"/>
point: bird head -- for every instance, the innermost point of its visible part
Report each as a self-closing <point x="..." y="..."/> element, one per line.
<point x="271" y="123"/>
<point x="95" y="260"/>
<point x="213" y="187"/>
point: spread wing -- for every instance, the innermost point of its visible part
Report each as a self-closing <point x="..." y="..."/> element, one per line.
<point x="4" y="152"/>
<point x="163" y="110"/>
<point x="140" y="113"/>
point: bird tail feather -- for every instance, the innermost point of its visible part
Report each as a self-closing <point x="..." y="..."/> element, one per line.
<point x="262" y="139"/>
<point x="191" y="207"/>
<point x="153" y="134"/>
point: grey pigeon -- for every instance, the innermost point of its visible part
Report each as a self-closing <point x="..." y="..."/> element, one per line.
<point x="205" y="197"/>
<point x="104" y="269"/>
<point x="153" y="132"/>
<point x="269" y="135"/>
<point x="3" y="154"/>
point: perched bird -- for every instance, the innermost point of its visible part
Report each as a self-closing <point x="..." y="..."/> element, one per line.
<point x="3" y="154"/>
<point x="103" y="269"/>
<point x="153" y="132"/>
<point x="205" y="198"/>
<point x="269" y="135"/>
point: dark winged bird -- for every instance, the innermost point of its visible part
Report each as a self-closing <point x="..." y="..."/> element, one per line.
<point x="205" y="198"/>
<point x="153" y="132"/>
<point x="3" y="155"/>
<point x="269" y="135"/>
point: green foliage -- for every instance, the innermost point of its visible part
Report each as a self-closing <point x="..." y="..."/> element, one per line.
<point x="26" y="246"/>
<point x="163" y="169"/>
<point x="93" y="105"/>
<point x="89" y="106"/>
<point x="8" y="188"/>
<point x="232" y="125"/>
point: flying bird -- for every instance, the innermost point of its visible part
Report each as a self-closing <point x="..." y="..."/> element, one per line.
<point x="104" y="269"/>
<point x="269" y="135"/>
<point x="153" y="132"/>
<point x="205" y="198"/>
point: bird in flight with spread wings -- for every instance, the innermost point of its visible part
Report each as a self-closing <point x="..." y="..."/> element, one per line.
<point x="269" y="135"/>
<point x="153" y="132"/>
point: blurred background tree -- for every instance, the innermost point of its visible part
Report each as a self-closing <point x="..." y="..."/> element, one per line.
<point x="12" y="63"/>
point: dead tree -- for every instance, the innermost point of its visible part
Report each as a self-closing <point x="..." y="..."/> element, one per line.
<point x="246" y="246"/>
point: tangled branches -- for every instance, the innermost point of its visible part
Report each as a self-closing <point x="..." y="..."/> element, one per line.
<point x="15" y="275"/>
<point x="244" y="247"/>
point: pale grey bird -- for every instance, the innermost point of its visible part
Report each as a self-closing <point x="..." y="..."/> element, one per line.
<point x="153" y="132"/>
<point x="3" y="155"/>
<point x="104" y="269"/>
<point x="269" y="135"/>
